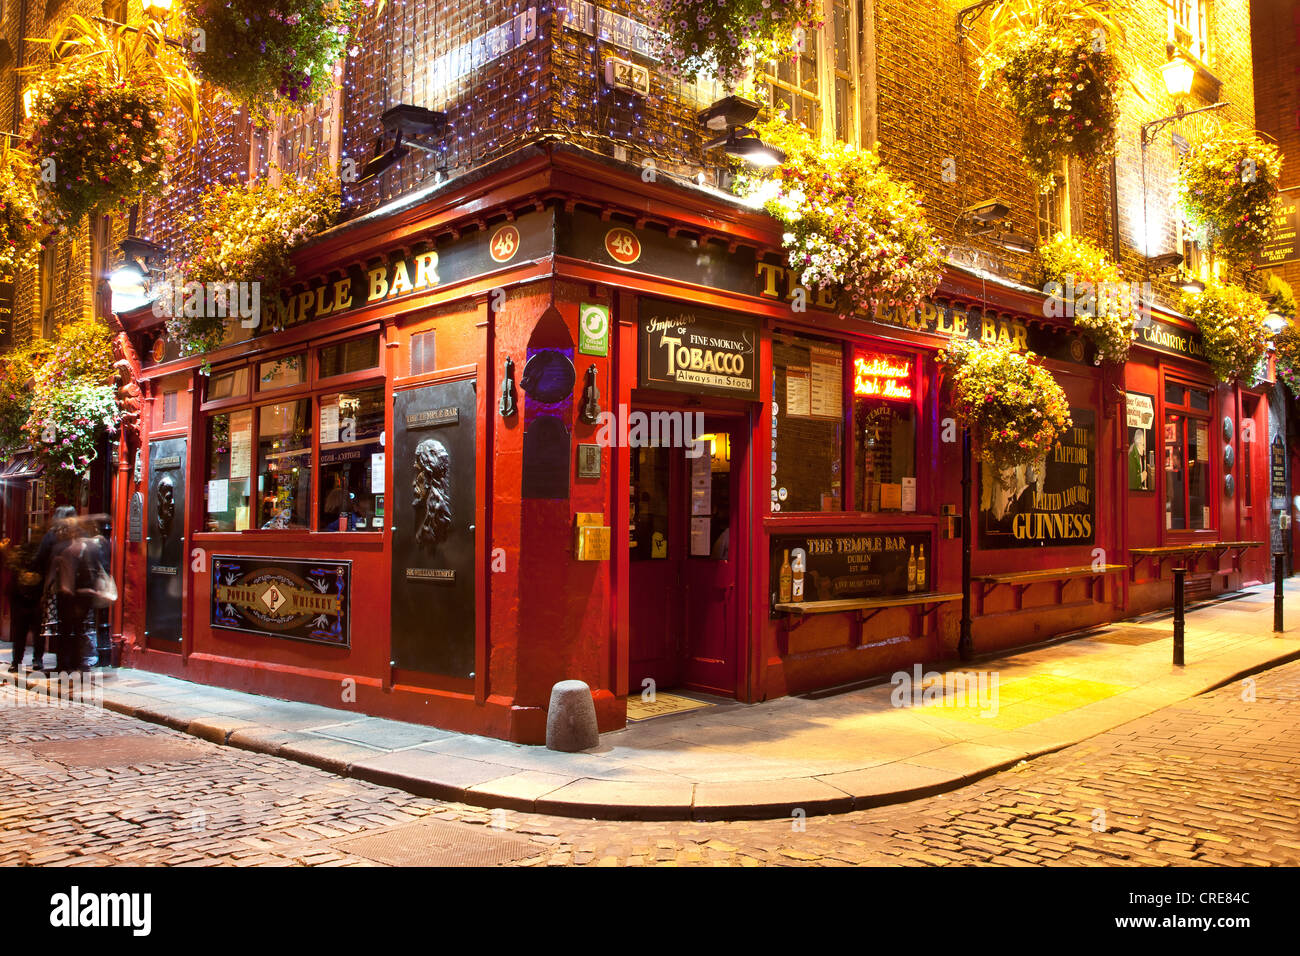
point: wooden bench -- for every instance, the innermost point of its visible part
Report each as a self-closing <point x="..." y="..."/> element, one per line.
<point x="1021" y="581"/>
<point x="1191" y="552"/>
<point x="864" y="608"/>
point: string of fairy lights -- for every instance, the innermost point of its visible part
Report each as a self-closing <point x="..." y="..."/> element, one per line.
<point x="423" y="53"/>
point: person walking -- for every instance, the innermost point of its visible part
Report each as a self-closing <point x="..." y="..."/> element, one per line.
<point x="57" y="533"/>
<point x="25" y="591"/>
<point x="79" y="570"/>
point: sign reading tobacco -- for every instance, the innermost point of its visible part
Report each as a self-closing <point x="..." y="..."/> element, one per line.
<point x="1050" y="502"/>
<point x="686" y="349"/>
<point x="283" y="597"/>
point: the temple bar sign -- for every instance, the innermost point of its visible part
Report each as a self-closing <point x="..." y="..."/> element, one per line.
<point x="685" y="349"/>
<point x="402" y="274"/>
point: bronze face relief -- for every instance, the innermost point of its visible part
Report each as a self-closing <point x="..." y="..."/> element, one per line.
<point x="432" y="491"/>
<point x="165" y="505"/>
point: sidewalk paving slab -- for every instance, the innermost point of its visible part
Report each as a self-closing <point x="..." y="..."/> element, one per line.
<point x="841" y="751"/>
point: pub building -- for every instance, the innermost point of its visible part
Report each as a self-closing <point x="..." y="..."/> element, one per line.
<point x="560" y="422"/>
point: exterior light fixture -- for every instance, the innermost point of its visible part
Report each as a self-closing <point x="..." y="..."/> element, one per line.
<point x="731" y="116"/>
<point x="988" y="211"/>
<point x="1178" y="74"/>
<point x="1275" y="322"/>
<point x="158" y="9"/>
<point x="1190" y="284"/>
<point x="1013" y="241"/>
<point x="1166" y="262"/>
<point x="404" y="123"/>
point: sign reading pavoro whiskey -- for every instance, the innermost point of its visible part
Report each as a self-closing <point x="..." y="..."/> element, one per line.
<point x="1052" y="502"/>
<point x="308" y="600"/>
<point x="688" y="349"/>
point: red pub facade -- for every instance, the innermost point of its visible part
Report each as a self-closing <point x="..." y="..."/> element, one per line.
<point x="563" y="423"/>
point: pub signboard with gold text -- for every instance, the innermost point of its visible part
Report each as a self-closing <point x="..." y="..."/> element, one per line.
<point x="306" y="600"/>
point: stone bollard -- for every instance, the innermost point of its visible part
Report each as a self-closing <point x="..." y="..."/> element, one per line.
<point x="571" y="718"/>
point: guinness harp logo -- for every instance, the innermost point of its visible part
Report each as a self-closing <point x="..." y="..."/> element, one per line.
<point x="432" y="490"/>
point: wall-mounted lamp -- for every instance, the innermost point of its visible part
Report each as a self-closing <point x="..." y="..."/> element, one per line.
<point x="733" y="114"/>
<point x="1149" y="130"/>
<point x="508" y="405"/>
<point x="158" y="9"/>
<point x="404" y="123"/>
<point x="1178" y="74"/>
<point x="590" y="412"/>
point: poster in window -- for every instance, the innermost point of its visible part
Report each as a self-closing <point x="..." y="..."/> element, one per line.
<point x="241" y="443"/>
<point x="798" y="393"/>
<point x="1141" y="412"/>
<point x="826" y="383"/>
<point x="1050" y="502"/>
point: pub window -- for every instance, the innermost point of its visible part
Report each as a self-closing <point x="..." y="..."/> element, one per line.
<point x="229" y="487"/>
<point x="310" y="461"/>
<point x="284" y="435"/>
<point x="169" y="406"/>
<point x="1054" y="206"/>
<point x="1188" y="27"/>
<point x="283" y="372"/>
<point x="1188" y="457"/>
<point x="35" y="507"/>
<point x="227" y="385"/>
<point x="352" y="460"/>
<point x="884" y="430"/>
<point x="344" y="358"/>
<point x="807" y="424"/>
<point x="818" y="88"/>
<point x="422" y="353"/>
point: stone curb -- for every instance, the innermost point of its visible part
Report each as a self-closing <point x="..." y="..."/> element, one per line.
<point x="463" y="780"/>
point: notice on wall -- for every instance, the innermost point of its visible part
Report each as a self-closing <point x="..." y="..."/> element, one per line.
<point x="218" y="496"/>
<point x="891" y="496"/>
<point x="241" y="443"/>
<point x="329" y="424"/>
<point x="700" y="536"/>
<point x="827" y="380"/>
<point x="1202" y="442"/>
<point x="909" y="494"/>
<point x="798" y="395"/>
<point x="377" y="473"/>
<point x="1048" y="502"/>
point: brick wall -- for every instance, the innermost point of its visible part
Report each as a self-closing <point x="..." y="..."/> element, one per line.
<point x="1275" y="32"/>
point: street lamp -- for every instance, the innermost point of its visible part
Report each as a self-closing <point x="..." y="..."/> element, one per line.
<point x="158" y="9"/>
<point x="1178" y="74"/>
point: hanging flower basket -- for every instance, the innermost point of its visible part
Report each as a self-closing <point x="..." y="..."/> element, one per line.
<point x="693" y="37"/>
<point x="65" y="423"/>
<point x="244" y="233"/>
<point x="21" y="228"/>
<point x="1015" y="409"/>
<point x="1287" y="345"/>
<point x="278" y="56"/>
<point x="852" y="229"/>
<point x="97" y="143"/>
<point x="1054" y="66"/>
<point x="1085" y="286"/>
<point x="1231" y="320"/>
<point x="1227" y="186"/>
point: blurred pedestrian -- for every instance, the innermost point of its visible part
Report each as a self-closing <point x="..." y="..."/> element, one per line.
<point x="25" y="591"/>
<point x="82" y="584"/>
<point x="57" y="532"/>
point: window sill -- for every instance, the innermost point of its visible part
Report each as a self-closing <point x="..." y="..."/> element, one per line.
<point x="293" y="536"/>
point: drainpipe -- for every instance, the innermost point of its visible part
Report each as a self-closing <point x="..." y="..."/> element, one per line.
<point x="965" y="643"/>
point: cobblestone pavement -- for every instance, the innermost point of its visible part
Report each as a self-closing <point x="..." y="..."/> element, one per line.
<point x="1213" y="780"/>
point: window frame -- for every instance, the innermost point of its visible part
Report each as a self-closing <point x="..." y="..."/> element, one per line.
<point x="1212" y="477"/>
<point x="827" y="75"/>
<point x="917" y="357"/>
<point x="313" y="389"/>
<point x="847" y="478"/>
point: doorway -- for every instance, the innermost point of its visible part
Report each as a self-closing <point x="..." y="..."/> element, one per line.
<point x="686" y="551"/>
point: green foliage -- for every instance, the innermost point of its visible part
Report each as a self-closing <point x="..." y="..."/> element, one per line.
<point x="1102" y="302"/>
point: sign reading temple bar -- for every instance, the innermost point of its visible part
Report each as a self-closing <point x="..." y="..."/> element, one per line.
<point x="283" y="597"/>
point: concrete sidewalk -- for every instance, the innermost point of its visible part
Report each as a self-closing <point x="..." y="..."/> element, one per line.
<point x="839" y="753"/>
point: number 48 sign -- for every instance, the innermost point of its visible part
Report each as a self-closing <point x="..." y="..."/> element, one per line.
<point x="593" y="329"/>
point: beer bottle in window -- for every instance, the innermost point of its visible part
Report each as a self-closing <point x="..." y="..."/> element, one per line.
<point x="786" y="579"/>
<point x="911" y="568"/>
<point x="920" y="568"/>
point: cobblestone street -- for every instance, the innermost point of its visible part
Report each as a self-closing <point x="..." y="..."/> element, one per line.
<point x="1214" y="780"/>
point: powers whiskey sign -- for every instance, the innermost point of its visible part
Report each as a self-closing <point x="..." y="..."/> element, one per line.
<point x="283" y="597"/>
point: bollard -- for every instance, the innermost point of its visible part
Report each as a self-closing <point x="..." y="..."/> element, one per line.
<point x="1179" y="575"/>
<point x="1278" y="557"/>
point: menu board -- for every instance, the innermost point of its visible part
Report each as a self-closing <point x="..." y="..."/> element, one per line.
<point x="798" y="392"/>
<point x="241" y="443"/>
<point x="826" y="382"/>
<point x="827" y="567"/>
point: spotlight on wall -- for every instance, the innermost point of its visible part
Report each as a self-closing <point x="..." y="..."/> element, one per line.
<point x="1275" y="322"/>
<point x="731" y="116"/>
<point x="405" y="123"/>
<point x="1013" y="241"/>
<point x="1190" y="284"/>
<point x="1165" y="262"/>
<point x="988" y="211"/>
<point x="383" y="159"/>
